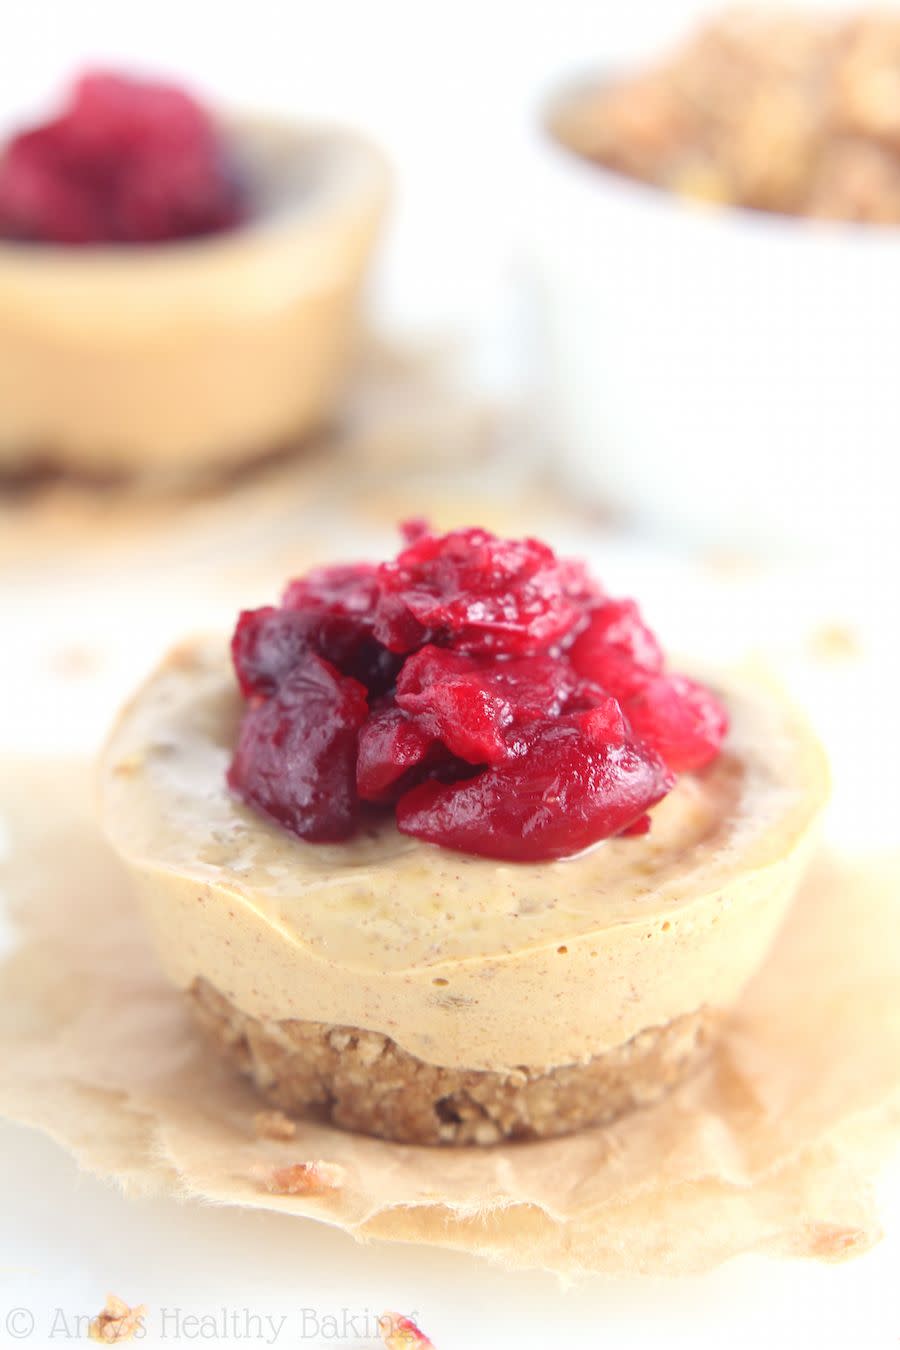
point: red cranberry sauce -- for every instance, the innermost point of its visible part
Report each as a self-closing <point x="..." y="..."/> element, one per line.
<point x="486" y="692"/>
<point x="126" y="162"/>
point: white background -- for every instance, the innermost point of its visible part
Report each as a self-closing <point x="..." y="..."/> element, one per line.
<point x="449" y="91"/>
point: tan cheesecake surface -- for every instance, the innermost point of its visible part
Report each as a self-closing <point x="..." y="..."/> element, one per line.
<point x="463" y="961"/>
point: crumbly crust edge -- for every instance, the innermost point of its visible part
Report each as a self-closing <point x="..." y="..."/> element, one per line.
<point x="363" y="1081"/>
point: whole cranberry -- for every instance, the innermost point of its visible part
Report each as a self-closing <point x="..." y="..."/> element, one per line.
<point x="563" y="791"/>
<point x="469" y="702"/>
<point x="476" y="593"/>
<point x="296" y="754"/>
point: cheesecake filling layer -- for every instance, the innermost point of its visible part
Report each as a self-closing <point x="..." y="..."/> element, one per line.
<point x="463" y="961"/>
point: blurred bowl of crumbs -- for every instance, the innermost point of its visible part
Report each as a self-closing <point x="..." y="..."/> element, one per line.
<point x="716" y="242"/>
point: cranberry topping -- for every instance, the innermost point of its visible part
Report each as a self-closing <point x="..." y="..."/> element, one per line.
<point x="346" y="590"/>
<point x="476" y="593"/>
<point x="679" y="718"/>
<point x="468" y="702"/>
<point x="339" y="607"/>
<point x="266" y="645"/>
<point x="296" y="753"/>
<point x="485" y="690"/>
<point x="391" y="747"/>
<point x="616" y="647"/>
<point x="396" y="752"/>
<point x="127" y="161"/>
<point x="563" y="791"/>
<point x="683" y="721"/>
<point x="328" y="612"/>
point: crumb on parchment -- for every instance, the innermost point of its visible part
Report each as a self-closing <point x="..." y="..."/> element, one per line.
<point x="303" y="1178"/>
<point x="401" y="1333"/>
<point x="834" y="642"/>
<point x="117" y="1321"/>
<point x="273" y="1125"/>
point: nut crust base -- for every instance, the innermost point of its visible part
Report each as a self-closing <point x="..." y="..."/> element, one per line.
<point x="364" y="1081"/>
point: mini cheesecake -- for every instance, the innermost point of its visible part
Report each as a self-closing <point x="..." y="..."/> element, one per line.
<point x="179" y="359"/>
<point x="428" y="995"/>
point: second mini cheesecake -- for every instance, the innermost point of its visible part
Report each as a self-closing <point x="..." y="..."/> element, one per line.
<point x="172" y="358"/>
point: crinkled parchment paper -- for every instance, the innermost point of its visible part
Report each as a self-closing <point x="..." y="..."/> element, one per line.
<point x="773" y="1149"/>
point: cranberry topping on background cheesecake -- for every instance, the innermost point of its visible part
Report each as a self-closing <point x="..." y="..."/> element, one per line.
<point x="126" y="161"/>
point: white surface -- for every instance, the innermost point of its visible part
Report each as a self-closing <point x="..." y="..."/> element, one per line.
<point x="725" y="373"/>
<point x="448" y="90"/>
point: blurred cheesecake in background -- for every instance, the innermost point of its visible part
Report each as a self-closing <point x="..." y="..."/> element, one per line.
<point x="177" y="294"/>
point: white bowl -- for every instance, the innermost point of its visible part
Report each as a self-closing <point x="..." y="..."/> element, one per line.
<point x="716" y="371"/>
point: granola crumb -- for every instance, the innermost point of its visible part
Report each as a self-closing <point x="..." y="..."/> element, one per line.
<point x="184" y="656"/>
<point x="835" y="1242"/>
<point x="834" y="642"/>
<point x="304" y="1178"/>
<point x="273" y="1125"/>
<point x="117" y="1321"/>
<point x="401" y="1333"/>
<point x="75" y="661"/>
<point x="129" y="766"/>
